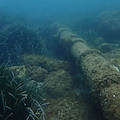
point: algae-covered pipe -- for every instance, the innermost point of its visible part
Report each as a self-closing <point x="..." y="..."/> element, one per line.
<point x="102" y="77"/>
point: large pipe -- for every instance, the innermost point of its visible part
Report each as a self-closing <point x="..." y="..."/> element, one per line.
<point x="102" y="77"/>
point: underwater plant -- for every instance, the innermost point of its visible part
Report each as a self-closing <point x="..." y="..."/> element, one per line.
<point x="17" y="39"/>
<point x="15" y="102"/>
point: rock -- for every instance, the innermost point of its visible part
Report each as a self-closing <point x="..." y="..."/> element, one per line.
<point x="106" y="47"/>
<point x="108" y="25"/>
<point x="18" y="71"/>
<point x="37" y="73"/>
<point x="50" y="64"/>
<point x="58" y="83"/>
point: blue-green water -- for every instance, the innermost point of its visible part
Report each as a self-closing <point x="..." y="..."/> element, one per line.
<point x="61" y="10"/>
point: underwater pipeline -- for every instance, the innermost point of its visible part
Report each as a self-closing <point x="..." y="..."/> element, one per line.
<point x="102" y="77"/>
